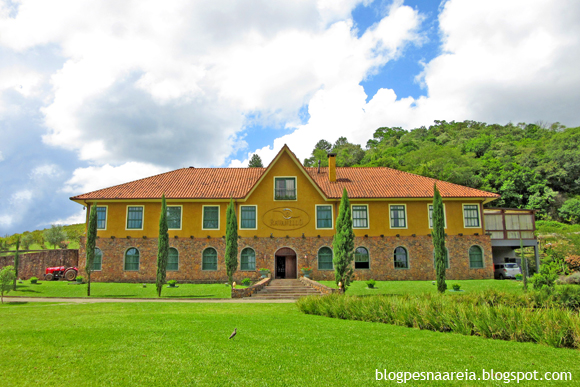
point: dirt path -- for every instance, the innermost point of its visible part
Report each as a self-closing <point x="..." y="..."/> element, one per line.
<point x="82" y="300"/>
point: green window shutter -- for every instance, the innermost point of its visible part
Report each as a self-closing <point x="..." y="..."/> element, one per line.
<point x="398" y="217"/>
<point x="209" y="259"/>
<point x="248" y="259"/>
<point x="211" y="217"/>
<point x="101" y="218"/>
<point x="285" y="188"/>
<point x="325" y="259"/>
<point x="324" y="216"/>
<point x="135" y="218"/>
<point x="360" y="217"/>
<point x="446" y="258"/>
<point x="475" y="257"/>
<point x="173" y="259"/>
<point x="98" y="260"/>
<point x="471" y="214"/>
<point x="248" y="217"/>
<point x="174" y="217"/>
<point x="132" y="259"/>
<point x="401" y="258"/>
<point x="361" y="258"/>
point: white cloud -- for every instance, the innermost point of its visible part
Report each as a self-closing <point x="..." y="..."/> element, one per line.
<point x="46" y="171"/>
<point x="1" y="156"/>
<point x="171" y="85"/>
<point x="89" y="179"/>
<point x="21" y="196"/>
<point x="501" y="61"/>
<point x="79" y="217"/>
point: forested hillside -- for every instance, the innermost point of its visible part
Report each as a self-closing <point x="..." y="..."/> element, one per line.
<point x="530" y="165"/>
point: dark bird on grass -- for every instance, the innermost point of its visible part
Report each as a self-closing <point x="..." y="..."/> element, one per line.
<point x="234" y="333"/>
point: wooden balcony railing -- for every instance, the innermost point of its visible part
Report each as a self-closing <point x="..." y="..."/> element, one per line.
<point x="510" y="223"/>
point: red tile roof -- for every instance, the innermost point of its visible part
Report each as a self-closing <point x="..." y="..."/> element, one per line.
<point x="223" y="183"/>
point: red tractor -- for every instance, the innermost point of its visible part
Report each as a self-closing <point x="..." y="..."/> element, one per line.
<point x="58" y="272"/>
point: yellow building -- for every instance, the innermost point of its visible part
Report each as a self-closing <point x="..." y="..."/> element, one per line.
<point x="286" y="221"/>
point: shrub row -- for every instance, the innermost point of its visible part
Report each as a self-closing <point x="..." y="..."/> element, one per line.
<point x="491" y="314"/>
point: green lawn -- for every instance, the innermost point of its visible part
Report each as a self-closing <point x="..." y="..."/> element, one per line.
<point x="175" y="344"/>
<point x="417" y="287"/>
<point x="124" y="290"/>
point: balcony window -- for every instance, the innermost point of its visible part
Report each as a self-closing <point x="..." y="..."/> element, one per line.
<point x="285" y="188"/>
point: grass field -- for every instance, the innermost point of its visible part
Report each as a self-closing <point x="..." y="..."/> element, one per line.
<point x="176" y="344"/>
<point x="417" y="287"/>
<point x="122" y="290"/>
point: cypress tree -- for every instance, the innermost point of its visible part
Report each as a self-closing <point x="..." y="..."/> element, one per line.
<point x="162" y="247"/>
<point x="524" y="267"/>
<point x="231" y="242"/>
<point x="343" y="244"/>
<point x="438" y="234"/>
<point x="90" y="245"/>
<point x="255" y="162"/>
<point x="16" y="262"/>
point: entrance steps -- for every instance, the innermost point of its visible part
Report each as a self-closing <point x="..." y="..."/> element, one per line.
<point x="285" y="289"/>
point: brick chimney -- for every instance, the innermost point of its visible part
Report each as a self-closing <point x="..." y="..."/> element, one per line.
<point x="332" y="167"/>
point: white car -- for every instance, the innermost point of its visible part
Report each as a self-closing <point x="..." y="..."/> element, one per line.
<point x="506" y="270"/>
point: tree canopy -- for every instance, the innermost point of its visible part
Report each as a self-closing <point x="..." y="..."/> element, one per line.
<point x="255" y="162"/>
<point x="533" y="166"/>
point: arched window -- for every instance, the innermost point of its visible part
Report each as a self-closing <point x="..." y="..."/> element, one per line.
<point x="98" y="260"/>
<point x="173" y="259"/>
<point x="325" y="259"/>
<point x="446" y="258"/>
<point x="248" y="259"/>
<point x="361" y="258"/>
<point x="401" y="258"/>
<point x="475" y="257"/>
<point x="209" y="259"/>
<point x="132" y="259"/>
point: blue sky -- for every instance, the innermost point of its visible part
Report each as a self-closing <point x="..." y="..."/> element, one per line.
<point x="94" y="94"/>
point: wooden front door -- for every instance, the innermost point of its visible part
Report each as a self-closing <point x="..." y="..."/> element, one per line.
<point x="291" y="266"/>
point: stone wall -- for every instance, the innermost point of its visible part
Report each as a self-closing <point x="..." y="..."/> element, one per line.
<point x="381" y="250"/>
<point x="318" y="286"/>
<point x="35" y="264"/>
<point x="247" y="292"/>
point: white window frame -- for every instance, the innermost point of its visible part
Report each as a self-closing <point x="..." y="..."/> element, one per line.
<point x="444" y="215"/>
<point x="478" y="214"/>
<point x="240" y="216"/>
<point x="178" y="254"/>
<point x="125" y="258"/>
<point x="216" y="256"/>
<point x="331" y="216"/>
<point x="106" y="217"/>
<point x="127" y="217"/>
<point x="180" y="219"/>
<point x="295" y="185"/>
<point x="406" y="217"/>
<point x="368" y="216"/>
<point x="97" y="247"/>
<point x="254" y="250"/>
<point x="203" y="216"/>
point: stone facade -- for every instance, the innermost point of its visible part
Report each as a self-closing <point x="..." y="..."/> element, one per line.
<point x="35" y="264"/>
<point x="381" y="250"/>
<point x="247" y="292"/>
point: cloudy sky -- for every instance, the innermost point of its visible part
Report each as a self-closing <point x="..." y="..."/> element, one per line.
<point x="97" y="93"/>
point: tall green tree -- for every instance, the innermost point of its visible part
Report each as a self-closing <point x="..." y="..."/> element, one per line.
<point x="231" y="242"/>
<point x="162" y="247"/>
<point x="7" y="276"/>
<point x="438" y="234"/>
<point x="255" y="162"/>
<point x="343" y="244"/>
<point x="91" y="245"/>
<point x="16" y="262"/>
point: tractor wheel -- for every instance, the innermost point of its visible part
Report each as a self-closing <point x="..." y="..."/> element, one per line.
<point x="48" y="277"/>
<point x="70" y="275"/>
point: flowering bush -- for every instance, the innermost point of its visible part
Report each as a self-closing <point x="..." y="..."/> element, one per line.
<point x="306" y="268"/>
<point x="573" y="262"/>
